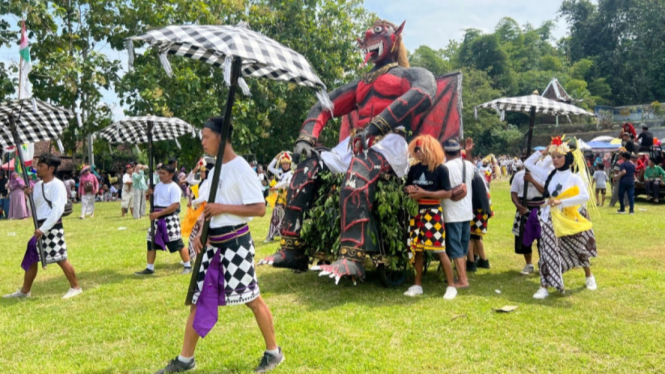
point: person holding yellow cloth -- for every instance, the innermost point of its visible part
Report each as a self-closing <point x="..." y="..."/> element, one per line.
<point x="567" y="240"/>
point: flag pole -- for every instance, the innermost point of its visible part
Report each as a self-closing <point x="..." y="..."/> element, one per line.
<point x="33" y="209"/>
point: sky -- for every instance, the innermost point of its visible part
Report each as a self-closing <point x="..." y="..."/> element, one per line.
<point x="428" y="22"/>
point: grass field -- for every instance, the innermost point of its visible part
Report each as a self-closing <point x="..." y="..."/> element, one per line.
<point x="127" y="324"/>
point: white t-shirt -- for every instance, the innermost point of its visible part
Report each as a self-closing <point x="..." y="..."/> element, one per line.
<point x="601" y="178"/>
<point x="125" y="179"/>
<point x="167" y="194"/>
<point x="518" y="186"/>
<point x="459" y="211"/>
<point x="238" y="185"/>
<point x="56" y="192"/>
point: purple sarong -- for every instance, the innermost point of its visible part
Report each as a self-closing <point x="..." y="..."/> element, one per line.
<point x="531" y="229"/>
<point x="161" y="234"/>
<point x="212" y="295"/>
<point x="31" y="255"/>
<point x="213" y="292"/>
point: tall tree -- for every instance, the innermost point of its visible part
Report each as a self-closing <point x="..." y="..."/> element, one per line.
<point x="70" y="70"/>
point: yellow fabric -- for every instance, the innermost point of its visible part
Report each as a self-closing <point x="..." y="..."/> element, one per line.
<point x="195" y="191"/>
<point x="190" y="219"/>
<point x="569" y="221"/>
<point x="281" y="196"/>
<point x="272" y="199"/>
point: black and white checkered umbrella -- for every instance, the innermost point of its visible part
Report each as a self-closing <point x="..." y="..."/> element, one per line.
<point x="35" y="121"/>
<point x="526" y="103"/>
<point x="135" y="130"/>
<point x="261" y="56"/>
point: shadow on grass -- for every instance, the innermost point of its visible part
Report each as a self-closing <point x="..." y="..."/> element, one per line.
<point x="90" y="280"/>
<point x="321" y="293"/>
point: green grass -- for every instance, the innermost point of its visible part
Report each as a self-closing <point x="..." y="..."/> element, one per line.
<point x="126" y="324"/>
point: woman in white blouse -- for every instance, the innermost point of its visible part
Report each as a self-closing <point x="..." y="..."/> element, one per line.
<point x="560" y="254"/>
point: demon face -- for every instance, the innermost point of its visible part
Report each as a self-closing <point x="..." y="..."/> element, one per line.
<point x="381" y="41"/>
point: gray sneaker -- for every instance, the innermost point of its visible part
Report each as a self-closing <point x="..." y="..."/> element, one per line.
<point x="269" y="362"/>
<point x="528" y="270"/>
<point x="17" y="294"/>
<point x="177" y="366"/>
<point x="186" y="270"/>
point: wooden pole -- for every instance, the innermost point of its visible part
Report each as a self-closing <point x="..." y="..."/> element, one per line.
<point x="529" y="144"/>
<point x="33" y="210"/>
<point x="226" y="125"/>
<point x="152" y="185"/>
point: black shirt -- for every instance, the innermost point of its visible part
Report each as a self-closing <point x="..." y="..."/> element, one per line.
<point x="647" y="139"/>
<point x="3" y="189"/>
<point x="437" y="180"/>
<point x="630" y="146"/>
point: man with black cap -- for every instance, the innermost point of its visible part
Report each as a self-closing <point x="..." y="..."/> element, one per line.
<point x="458" y="210"/>
<point x="227" y="267"/>
<point x="645" y="138"/>
<point x="50" y="197"/>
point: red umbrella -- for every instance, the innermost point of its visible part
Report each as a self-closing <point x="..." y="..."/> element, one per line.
<point x="9" y="165"/>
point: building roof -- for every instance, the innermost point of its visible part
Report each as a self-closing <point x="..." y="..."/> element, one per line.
<point x="555" y="91"/>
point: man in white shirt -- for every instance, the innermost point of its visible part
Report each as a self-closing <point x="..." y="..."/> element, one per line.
<point x="127" y="194"/>
<point x="227" y="275"/>
<point x="50" y="197"/>
<point x="168" y="235"/>
<point x="458" y="214"/>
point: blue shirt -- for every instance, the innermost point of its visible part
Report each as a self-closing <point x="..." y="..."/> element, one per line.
<point x="629" y="177"/>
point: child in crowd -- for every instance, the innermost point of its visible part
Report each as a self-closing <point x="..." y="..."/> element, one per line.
<point x="600" y="181"/>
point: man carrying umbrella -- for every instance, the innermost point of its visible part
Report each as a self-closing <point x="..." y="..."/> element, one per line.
<point x="227" y="275"/>
<point x="50" y="198"/>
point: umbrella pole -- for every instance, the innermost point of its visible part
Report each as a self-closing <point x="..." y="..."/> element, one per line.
<point x="235" y="74"/>
<point x="529" y="143"/>
<point x="152" y="186"/>
<point x="19" y="154"/>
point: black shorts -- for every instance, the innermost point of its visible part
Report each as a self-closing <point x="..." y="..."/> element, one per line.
<point x="601" y="190"/>
<point x="173" y="247"/>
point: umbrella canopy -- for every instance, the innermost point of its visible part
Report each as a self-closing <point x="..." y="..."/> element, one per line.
<point x="604" y="139"/>
<point x="261" y="56"/>
<point x="41" y="121"/>
<point x="582" y="145"/>
<point x="597" y="146"/>
<point x="135" y="129"/>
<point x="9" y="165"/>
<point x="526" y="103"/>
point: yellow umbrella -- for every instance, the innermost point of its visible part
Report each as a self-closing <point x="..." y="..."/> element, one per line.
<point x="616" y="141"/>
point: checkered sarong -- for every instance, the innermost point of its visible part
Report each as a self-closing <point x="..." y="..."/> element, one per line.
<point x="426" y="230"/>
<point x="235" y="260"/>
<point x="479" y="222"/>
<point x="172" y="228"/>
<point x="558" y="255"/>
<point x="53" y="244"/>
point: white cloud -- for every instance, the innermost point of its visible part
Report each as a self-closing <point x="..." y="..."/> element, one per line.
<point x="435" y="22"/>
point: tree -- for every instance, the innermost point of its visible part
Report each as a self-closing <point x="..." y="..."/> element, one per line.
<point x="69" y="71"/>
<point x="269" y="121"/>
<point x="434" y="61"/>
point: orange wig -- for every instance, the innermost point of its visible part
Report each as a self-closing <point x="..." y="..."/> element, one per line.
<point x="431" y="150"/>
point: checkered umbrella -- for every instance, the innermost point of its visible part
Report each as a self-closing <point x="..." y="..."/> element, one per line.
<point x="527" y="103"/>
<point x="146" y="130"/>
<point x="261" y="56"/>
<point x="135" y="130"/>
<point x="41" y="121"/>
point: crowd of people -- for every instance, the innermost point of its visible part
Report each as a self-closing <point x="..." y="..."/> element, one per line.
<point x="550" y="189"/>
